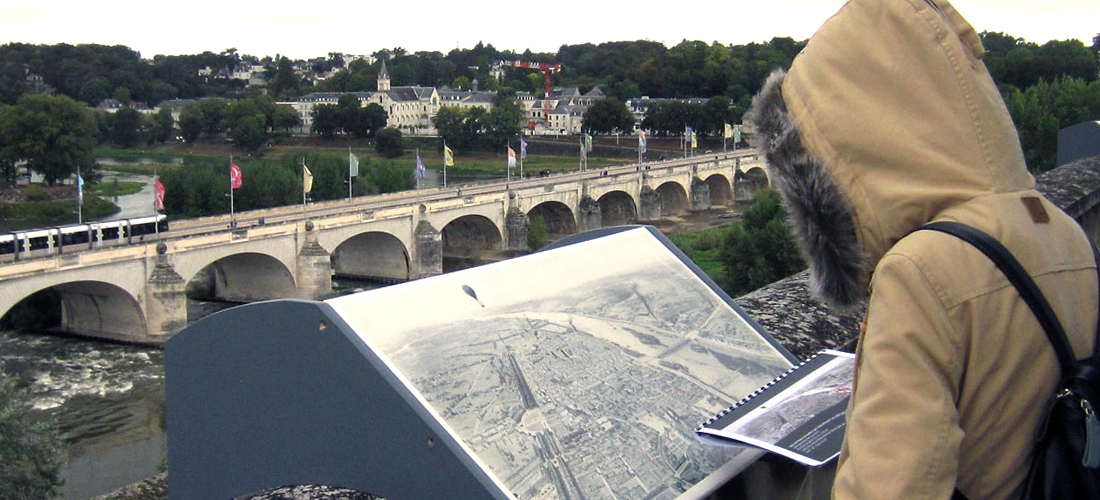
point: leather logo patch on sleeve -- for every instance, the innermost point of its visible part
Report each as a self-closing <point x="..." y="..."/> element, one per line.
<point x="1036" y="209"/>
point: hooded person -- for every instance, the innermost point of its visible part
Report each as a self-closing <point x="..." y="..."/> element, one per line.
<point x="886" y="121"/>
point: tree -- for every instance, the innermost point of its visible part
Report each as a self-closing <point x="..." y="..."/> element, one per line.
<point x="1042" y="110"/>
<point x="461" y="83"/>
<point x="349" y="109"/>
<point x="326" y="120"/>
<point x="191" y="122"/>
<point x="285" y="118"/>
<point x="718" y="111"/>
<point x="54" y="134"/>
<point x="248" y="132"/>
<point x="30" y="457"/>
<point x="608" y="115"/>
<point x="502" y="123"/>
<point x="126" y="127"/>
<point x="536" y="234"/>
<point x="213" y="114"/>
<point x="389" y="143"/>
<point x="163" y="125"/>
<point x="247" y="123"/>
<point x="760" y="249"/>
<point x="374" y="117"/>
<point x="459" y="127"/>
<point x="284" y="83"/>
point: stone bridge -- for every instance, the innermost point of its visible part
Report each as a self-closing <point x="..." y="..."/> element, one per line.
<point x="138" y="292"/>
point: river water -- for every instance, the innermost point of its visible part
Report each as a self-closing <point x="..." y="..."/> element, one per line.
<point x="107" y="401"/>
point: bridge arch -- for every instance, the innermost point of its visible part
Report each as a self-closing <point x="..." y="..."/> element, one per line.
<point x="721" y="189"/>
<point x="375" y="255"/>
<point x="747" y="183"/>
<point x="559" y="218"/>
<point x="674" y="199"/>
<point x="245" y="277"/>
<point x="618" y="208"/>
<point x="469" y="234"/>
<point x="87" y="307"/>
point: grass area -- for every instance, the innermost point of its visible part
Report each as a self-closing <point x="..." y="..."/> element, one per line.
<point x="703" y="248"/>
<point x="115" y="188"/>
<point x="35" y="214"/>
<point x="152" y="152"/>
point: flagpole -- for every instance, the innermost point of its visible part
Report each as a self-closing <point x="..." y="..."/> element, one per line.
<point x="349" y="173"/>
<point x="580" y="161"/>
<point x="156" y="211"/>
<point x="417" y="173"/>
<point x="522" y="153"/>
<point x="507" y="167"/>
<point x="444" y="164"/>
<point x="79" y="198"/>
<point x="685" y="141"/>
<point x="232" y="220"/>
<point x="303" y="184"/>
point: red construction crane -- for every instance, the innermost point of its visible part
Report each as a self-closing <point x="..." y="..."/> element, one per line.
<point x="546" y="68"/>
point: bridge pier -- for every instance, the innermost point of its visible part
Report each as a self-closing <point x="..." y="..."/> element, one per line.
<point x="314" y="268"/>
<point x="649" y="205"/>
<point x="165" y="298"/>
<point x="700" y="195"/>
<point x="590" y="215"/>
<point x="743" y="190"/>
<point x="517" y="225"/>
<point x="429" y="250"/>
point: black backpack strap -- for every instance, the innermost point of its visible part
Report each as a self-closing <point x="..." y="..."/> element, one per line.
<point x="1096" y="254"/>
<point x="1021" y="280"/>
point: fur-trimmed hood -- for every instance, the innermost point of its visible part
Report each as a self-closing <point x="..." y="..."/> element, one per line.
<point x="887" y="118"/>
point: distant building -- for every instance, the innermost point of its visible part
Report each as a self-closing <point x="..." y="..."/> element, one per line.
<point x="412" y="108"/>
<point x="36" y="85"/>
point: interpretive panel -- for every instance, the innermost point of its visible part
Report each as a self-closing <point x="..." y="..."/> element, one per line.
<point x="577" y="372"/>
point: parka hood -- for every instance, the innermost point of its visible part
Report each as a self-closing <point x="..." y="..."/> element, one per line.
<point x="886" y="118"/>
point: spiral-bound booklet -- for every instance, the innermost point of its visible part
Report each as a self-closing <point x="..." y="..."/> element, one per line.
<point x="799" y="415"/>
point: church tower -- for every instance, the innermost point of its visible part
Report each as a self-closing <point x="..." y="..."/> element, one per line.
<point x="383" y="78"/>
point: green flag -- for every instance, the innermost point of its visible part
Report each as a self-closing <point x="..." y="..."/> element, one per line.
<point x="353" y="164"/>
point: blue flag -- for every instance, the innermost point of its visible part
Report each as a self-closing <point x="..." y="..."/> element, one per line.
<point x="419" y="167"/>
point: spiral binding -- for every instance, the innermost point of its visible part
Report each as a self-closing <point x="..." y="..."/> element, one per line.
<point x="756" y="392"/>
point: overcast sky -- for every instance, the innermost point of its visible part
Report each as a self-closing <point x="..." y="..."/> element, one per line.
<point x="304" y="29"/>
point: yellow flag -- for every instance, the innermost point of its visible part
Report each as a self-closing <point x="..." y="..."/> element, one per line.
<point x="729" y="132"/>
<point x="694" y="144"/>
<point x="448" y="157"/>
<point x="307" y="179"/>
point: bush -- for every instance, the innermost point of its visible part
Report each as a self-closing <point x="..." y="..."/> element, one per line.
<point x="389" y="143"/>
<point x="760" y="250"/>
<point x="536" y="234"/>
<point x="35" y="192"/>
<point x="29" y="452"/>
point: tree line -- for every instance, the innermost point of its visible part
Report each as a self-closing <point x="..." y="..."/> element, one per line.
<point x="1047" y="87"/>
<point x="201" y="186"/>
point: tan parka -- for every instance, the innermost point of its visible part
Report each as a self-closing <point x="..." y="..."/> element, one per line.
<point x="886" y="121"/>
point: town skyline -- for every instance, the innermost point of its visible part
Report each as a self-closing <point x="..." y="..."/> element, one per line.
<point x="320" y="28"/>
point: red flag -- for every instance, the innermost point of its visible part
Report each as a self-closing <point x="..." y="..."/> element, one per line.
<point x="158" y="203"/>
<point x="234" y="175"/>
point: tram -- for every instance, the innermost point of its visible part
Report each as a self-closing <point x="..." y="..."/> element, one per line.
<point x="30" y="243"/>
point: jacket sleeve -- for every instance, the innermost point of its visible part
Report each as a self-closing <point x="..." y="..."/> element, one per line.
<point x="903" y="435"/>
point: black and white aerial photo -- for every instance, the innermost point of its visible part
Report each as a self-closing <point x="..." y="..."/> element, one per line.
<point x="579" y="372"/>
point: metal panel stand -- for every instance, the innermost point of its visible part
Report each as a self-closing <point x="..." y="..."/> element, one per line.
<point x="284" y="393"/>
